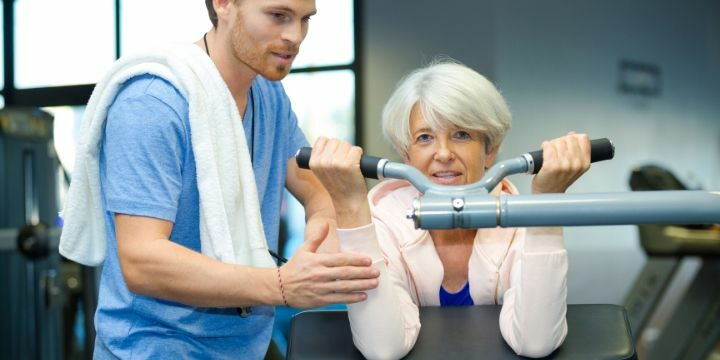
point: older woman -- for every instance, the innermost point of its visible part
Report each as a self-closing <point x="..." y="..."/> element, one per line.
<point x="448" y="121"/>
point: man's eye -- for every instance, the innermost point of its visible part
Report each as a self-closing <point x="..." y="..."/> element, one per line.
<point x="279" y="16"/>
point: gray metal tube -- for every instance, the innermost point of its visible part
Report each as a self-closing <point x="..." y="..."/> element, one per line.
<point x="436" y="211"/>
<point x="502" y="169"/>
<point x="493" y="177"/>
<point x="644" y="207"/>
<point x="439" y="212"/>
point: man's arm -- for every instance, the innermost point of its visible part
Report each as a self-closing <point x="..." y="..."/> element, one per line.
<point x="154" y="266"/>
<point x="317" y="203"/>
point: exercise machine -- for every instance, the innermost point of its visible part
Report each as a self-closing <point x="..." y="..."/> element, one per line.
<point x="693" y="327"/>
<point x="472" y="206"/>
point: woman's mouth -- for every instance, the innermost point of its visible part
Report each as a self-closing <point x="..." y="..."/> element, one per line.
<point x="446" y="177"/>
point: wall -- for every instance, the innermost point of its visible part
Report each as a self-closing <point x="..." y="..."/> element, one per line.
<point x="403" y="35"/>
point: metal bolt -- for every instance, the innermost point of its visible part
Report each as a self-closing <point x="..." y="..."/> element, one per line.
<point x="410" y="214"/>
<point x="458" y="204"/>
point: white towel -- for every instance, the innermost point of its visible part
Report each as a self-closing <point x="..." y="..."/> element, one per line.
<point x="230" y="225"/>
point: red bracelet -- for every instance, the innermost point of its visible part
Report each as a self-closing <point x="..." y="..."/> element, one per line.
<point x="282" y="290"/>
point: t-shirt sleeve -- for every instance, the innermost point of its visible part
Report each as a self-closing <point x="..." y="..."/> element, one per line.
<point x="297" y="137"/>
<point x="144" y="149"/>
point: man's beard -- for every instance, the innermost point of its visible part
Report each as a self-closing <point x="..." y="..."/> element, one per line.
<point x="245" y="50"/>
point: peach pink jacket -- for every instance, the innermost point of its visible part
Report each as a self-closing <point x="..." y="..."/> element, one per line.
<point x="522" y="268"/>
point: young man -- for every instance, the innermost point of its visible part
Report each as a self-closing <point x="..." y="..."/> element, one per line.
<point x="159" y="296"/>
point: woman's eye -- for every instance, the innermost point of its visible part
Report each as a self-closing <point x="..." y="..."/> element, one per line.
<point x="462" y="135"/>
<point x="424" y="138"/>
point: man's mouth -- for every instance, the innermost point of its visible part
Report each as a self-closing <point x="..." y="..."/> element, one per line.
<point x="284" y="56"/>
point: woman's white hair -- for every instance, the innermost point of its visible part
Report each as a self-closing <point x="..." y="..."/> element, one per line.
<point x="448" y="94"/>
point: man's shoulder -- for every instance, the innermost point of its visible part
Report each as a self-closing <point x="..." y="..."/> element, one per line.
<point x="152" y="87"/>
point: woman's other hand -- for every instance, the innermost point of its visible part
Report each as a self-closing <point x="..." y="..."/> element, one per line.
<point x="565" y="159"/>
<point x="337" y="165"/>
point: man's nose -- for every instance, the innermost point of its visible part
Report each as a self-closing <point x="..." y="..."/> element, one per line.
<point x="294" y="34"/>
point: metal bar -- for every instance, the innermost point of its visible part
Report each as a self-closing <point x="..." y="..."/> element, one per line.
<point x="647" y="291"/>
<point x="8" y="240"/>
<point x="644" y="207"/>
<point x="8" y="90"/>
<point x="322" y="68"/>
<point x="442" y="211"/>
<point x="32" y="215"/>
<point x="696" y="312"/>
<point x="502" y="169"/>
<point x="357" y="66"/>
<point x="54" y="96"/>
<point x="118" y="27"/>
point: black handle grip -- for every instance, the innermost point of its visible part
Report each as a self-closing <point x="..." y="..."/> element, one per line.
<point x="368" y="164"/>
<point x="600" y="149"/>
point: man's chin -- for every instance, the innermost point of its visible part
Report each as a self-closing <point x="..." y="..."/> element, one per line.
<point x="275" y="74"/>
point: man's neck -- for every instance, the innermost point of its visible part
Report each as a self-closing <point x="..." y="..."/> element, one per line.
<point x="237" y="75"/>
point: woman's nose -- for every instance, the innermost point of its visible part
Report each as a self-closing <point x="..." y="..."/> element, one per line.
<point x="444" y="153"/>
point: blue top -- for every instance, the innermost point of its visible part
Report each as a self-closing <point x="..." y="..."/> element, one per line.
<point x="147" y="168"/>
<point x="460" y="298"/>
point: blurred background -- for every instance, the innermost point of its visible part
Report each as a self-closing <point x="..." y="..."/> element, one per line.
<point x="644" y="73"/>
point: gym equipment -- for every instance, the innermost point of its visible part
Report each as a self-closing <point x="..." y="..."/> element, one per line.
<point x="597" y="332"/>
<point x="693" y="329"/>
<point x="30" y="308"/>
<point x="472" y="206"/>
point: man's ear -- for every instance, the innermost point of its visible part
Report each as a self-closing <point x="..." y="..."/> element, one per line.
<point x="223" y="9"/>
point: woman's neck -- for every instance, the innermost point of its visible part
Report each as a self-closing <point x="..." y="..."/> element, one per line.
<point x="453" y="237"/>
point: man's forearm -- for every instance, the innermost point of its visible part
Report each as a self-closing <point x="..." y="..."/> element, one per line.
<point x="319" y="206"/>
<point x="319" y="209"/>
<point x="163" y="269"/>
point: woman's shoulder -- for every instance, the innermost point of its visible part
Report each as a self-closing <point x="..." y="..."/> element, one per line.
<point x="392" y="195"/>
<point x="389" y="202"/>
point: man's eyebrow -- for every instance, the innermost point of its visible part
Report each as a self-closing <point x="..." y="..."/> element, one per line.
<point x="284" y="8"/>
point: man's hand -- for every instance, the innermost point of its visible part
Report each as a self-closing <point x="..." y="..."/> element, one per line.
<point x="565" y="159"/>
<point x="315" y="225"/>
<point x="310" y="279"/>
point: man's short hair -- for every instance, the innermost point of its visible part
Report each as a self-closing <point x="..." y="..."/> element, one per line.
<point x="211" y="12"/>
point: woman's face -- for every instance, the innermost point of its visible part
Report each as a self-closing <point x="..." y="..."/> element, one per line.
<point x="451" y="156"/>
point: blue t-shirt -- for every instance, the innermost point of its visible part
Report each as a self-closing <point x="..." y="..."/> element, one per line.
<point x="460" y="298"/>
<point x="147" y="168"/>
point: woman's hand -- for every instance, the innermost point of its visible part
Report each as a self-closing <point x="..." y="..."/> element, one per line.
<point x="565" y="159"/>
<point x="337" y="165"/>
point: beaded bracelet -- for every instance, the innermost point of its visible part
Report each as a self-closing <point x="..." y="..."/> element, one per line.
<point x="282" y="290"/>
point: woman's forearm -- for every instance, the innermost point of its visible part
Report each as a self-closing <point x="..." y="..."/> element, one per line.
<point x="532" y="320"/>
<point x="386" y="325"/>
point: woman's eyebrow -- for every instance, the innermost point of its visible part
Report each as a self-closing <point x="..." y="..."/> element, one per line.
<point x="425" y="129"/>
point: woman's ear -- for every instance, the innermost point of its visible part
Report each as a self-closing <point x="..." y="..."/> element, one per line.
<point x="490" y="157"/>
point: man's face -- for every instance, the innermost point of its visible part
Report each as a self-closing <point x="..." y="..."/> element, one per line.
<point x="267" y="34"/>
